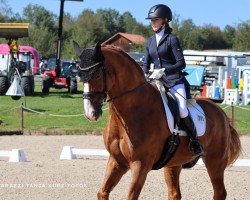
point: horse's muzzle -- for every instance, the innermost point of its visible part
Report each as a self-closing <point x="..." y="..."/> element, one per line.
<point x="94" y="115"/>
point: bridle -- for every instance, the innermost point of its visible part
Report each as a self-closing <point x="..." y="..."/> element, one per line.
<point x="103" y="94"/>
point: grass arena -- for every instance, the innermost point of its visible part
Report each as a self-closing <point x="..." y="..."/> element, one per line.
<point x="45" y="176"/>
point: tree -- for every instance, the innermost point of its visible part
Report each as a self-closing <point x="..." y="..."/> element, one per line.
<point x="229" y="35"/>
<point x="195" y="40"/>
<point x="5" y="11"/>
<point x="40" y="17"/>
<point x="109" y="21"/>
<point x="41" y="39"/>
<point x="68" y="29"/>
<point x="92" y="27"/>
<point x="43" y="30"/>
<point x="87" y="29"/>
<point x="175" y="23"/>
<point x="242" y="37"/>
<point x="186" y="26"/>
<point x="214" y="37"/>
<point x="129" y="22"/>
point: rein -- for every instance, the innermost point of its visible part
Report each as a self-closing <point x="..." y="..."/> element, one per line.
<point x="129" y="91"/>
<point x="103" y="94"/>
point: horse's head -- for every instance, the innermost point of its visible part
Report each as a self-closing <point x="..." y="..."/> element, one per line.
<point x="92" y="74"/>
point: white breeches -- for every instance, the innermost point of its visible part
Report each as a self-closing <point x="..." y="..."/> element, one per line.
<point x="180" y="93"/>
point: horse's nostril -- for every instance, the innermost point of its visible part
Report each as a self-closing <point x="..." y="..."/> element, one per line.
<point x="94" y="113"/>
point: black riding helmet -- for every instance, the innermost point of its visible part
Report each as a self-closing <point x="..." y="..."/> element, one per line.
<point x="160" y="11"/>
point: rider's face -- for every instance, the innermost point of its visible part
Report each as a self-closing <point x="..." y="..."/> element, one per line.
<point x="156" y="23"/>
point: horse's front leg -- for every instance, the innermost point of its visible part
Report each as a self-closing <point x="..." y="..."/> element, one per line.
<point x="138" y="176"/>
<point x="172" y="175"/>
<point x="114" y="172"/>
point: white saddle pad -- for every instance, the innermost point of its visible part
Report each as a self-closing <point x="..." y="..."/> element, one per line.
<point x="195" y="111"/>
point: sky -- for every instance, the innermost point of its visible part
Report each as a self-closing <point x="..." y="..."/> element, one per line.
<point x="216" y="12"/>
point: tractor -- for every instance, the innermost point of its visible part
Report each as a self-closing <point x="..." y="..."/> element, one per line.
<point x="66" y="79"/>
<point x="55" y="75"/>
<point x="18" y="63"/>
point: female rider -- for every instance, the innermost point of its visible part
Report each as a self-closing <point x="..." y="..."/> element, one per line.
<point x="164" y="51"/>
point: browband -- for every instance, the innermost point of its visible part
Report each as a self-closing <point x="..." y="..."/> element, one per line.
<point x="90" y="67"/>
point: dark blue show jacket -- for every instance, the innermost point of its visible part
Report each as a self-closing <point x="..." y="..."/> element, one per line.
<point x="167" y="55"/>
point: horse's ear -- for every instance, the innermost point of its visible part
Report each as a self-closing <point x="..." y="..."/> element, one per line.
<point x="98" y="56"/>
<point x="77" y="48"/>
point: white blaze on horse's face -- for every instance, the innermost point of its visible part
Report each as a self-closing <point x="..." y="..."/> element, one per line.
<point x="89" y="110"/>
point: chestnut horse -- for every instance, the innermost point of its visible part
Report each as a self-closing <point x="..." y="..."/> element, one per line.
<point x="137" y="128"/>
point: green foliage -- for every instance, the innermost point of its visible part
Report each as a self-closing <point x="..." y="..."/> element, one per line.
<point x="198" y="38"/>
<point x="68" y="29"/>
<point x="91" y="27"/>
<point x="242" y="37"/>
<point x="39" y="17"/>
<point x="108" y="20"/>
<point x="195" y="40"/>
<point x="43" y="30"/>
<point x="186" y="26"/>
<point x="5" y="11"/>
<point x="229" y="35"/>
<point x="88" y="29"/>
<point x="129" y="23"/>
<point x="175" y="23"/>
<point x="39" y="38"/>
<point x="213" y="37"/>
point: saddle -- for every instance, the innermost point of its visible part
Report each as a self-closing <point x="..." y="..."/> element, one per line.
<point x="173" y="116"/>
<point x="175" y="125"/>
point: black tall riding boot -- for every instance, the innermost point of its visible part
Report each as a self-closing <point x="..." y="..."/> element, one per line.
<point x="191" y="132"/>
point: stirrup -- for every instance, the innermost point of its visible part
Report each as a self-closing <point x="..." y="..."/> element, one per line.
<point x="196" y="147"/>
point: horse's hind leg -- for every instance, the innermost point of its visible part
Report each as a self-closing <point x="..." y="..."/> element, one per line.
<point x="172" y="175"/>
<point x="114" y="173"/>
<point x="216" y="168"/>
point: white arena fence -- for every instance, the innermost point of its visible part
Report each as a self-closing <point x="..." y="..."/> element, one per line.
<point x="71" y="153"/>
<point x="15" y="155"/>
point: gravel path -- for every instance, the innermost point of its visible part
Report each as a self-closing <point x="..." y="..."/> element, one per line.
<point x="45" y="177"/>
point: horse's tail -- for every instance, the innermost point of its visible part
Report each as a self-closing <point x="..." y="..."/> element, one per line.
<point x="234" y="146"/>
